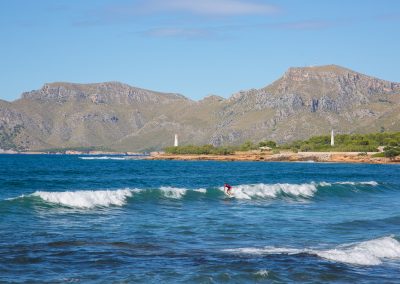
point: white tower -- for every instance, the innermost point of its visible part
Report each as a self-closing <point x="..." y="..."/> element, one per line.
<point x="332" y="138"/>
<point x="176" y="140"/>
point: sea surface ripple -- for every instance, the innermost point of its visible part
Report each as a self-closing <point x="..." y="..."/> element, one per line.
<point x="68" y="219"/>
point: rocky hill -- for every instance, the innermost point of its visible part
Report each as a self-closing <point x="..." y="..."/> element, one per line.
<point x="303" y="102"/>
<point x="310" y="101"/>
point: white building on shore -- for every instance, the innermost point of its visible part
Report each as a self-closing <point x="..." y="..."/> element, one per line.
<point x="176" y="141"/>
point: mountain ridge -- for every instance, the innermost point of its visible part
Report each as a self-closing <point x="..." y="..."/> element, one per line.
<point x="331" y="68"/>
<point x="304" y="101"/>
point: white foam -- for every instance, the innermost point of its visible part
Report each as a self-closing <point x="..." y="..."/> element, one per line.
<point x="173" y="192"/>
<point x="178" y="193"/>
<point x="371" y="252"/>
<point x="86" y="198"/>
<point x="102" y="158"/>
<point x="15" y="198"/>
<point x="371" y="183"/>
<point x="262" y="273"/>
<point x="273" y="190"/>
<point x="265" y="250"/>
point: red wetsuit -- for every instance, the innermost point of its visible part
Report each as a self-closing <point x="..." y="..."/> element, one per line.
<point x="228" y="187"/>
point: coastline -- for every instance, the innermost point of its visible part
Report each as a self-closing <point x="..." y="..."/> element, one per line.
<point x="327" y="157"/>
<point x="251" y="156"/>
<point x="74" y="153"/>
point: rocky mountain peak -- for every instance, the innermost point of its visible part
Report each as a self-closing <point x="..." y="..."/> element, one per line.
<point x="301" y="74"/>
<point x="98" y="93"/>
<point x="212" y="98"/>
<point x="328" y="88"/>
<point x="331" y="68"/>
<point x="330" y="80"/>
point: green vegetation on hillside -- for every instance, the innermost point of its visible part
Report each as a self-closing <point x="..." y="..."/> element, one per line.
<point x="343" y="143"/>
<point x="200" y="150"/>
<point x="211" y="150"/>
<point x="248" y="145"/>
<point x="391" y="152"/>
<point x="346" y="143"/>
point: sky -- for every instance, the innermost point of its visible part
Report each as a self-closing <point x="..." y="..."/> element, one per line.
<point x="192" y="47"/>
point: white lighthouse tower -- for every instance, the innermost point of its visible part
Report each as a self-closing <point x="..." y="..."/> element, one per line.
<point x="332" y="139"/>
<point x="176" y="140"/>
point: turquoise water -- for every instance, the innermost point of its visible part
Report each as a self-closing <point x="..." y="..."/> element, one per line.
<point x="67" y="219"/>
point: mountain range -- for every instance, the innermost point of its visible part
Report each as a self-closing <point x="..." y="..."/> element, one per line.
<point x="305" y="101"/>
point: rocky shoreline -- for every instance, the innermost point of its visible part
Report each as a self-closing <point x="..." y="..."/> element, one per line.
<point x="255" y="155"/>
<point x="330" y="157"/>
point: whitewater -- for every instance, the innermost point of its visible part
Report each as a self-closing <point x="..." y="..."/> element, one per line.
<point x="371" y="252"/>
<point x="107" y="219"/>
<point x="119" y="197"/>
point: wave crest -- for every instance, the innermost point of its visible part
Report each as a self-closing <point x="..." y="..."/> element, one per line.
<point x="273" y="190"/>
<point x="173" y="192"/>
<point x="284" y="191"/>
<point x="365" y="253"/>
<point x="372" y="252"/>
<point x="87" y="198"/>
<point x="371" y="183"/>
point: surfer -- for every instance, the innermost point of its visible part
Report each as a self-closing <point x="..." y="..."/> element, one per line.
<point x="228" y="189"/>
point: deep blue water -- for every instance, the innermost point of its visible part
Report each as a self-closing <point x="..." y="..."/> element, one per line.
<point x="64" y="219"/>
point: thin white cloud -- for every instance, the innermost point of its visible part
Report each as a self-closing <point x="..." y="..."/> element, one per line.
<point x="142" y="9"/>
<point x="209" y="7"/>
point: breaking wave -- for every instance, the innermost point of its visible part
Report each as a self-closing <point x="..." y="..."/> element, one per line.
<point x="372" y="252"/>
<point x="173" y="192"/>
<point x="119" y="197"/>
<point x="86" y="199"/>
<point x="297" y="191"/>
<point x="273" y="190"/>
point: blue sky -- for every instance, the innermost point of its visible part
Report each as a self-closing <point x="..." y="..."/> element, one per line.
<point x="192" y="47"/>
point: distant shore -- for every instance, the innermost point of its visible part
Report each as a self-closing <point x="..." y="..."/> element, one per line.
<point x="74" y="152"/>
<point x="330" y="157"/>
<point x="255" y="155"/>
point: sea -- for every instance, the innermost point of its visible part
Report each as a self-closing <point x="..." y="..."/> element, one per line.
<point x="108" y="219"/>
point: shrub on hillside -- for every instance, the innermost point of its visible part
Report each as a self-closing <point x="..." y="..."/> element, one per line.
<point x="269" y="143"/>
<point x="391" y="152"/>
<point x="199" y="150"/>
<point x="247" y="146"/>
